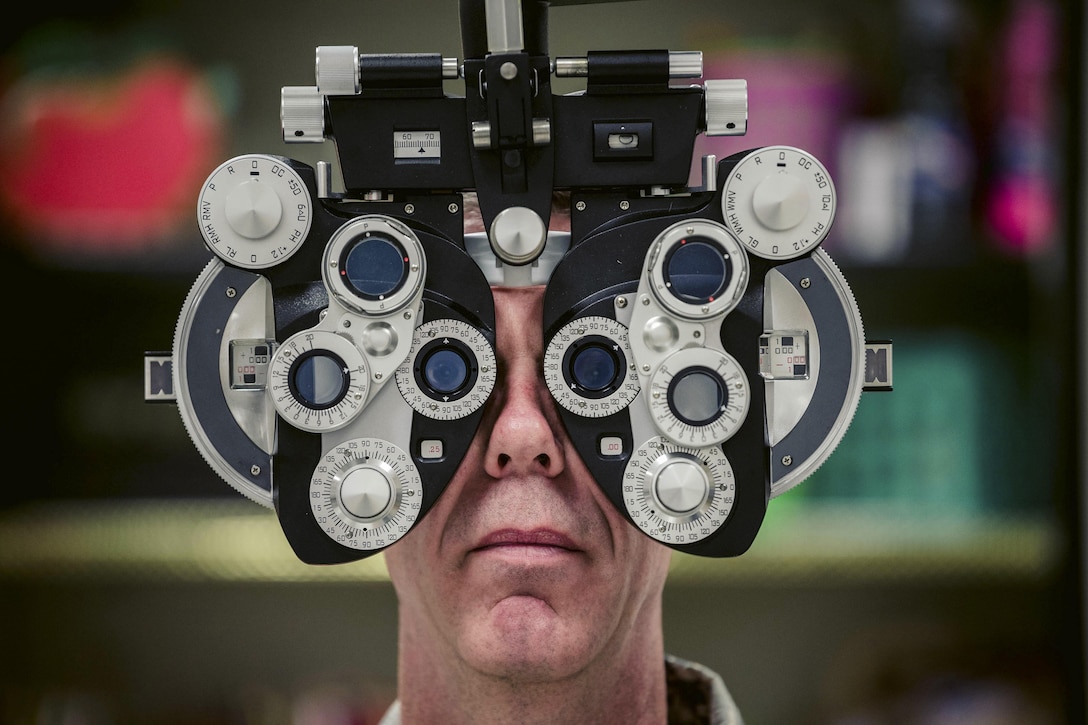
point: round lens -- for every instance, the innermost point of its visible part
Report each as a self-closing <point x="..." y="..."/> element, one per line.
<point x="319" y="380"/>
<point x="697" y="396"/>
<point x="593" y="368"/>
<point x="445" y="370"/>
<point x="697" y="270"/>
<point x="375" y="266"/>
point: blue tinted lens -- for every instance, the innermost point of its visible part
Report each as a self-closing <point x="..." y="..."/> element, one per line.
<point x="374" y="267"/>
<point x="593" y="367"/>
<point x="445" y="370"/>
<point x="696" y="271"/>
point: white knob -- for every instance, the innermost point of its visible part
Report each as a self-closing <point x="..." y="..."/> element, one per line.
<point x="685" y="64"/>
<point x="366" y="492"/>
<point x="302" y="114"/>
<point x="780" y="202"/>
<point x="337" y="70"/>
<point x="253" y="210"/>
<point x="726" y="107"/>
<point x="518" y="235"/>
<point x="681" y="486"/>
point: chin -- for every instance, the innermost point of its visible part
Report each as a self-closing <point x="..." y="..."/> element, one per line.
<point x="523" y="639"/>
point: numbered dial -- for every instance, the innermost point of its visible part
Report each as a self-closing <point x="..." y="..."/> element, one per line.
<point x="678" y="494"/>
<point x="588" y="367"/>
<point x="319" y="381"/>
<point x="699" y="397"/>
<point x="779" y="202"/>
<point x="366" y="493"/>
<point x="449" y="372"/>
<point x="254" y="211"/>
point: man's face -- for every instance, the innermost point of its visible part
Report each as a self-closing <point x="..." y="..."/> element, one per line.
<point x="523" y="568"/>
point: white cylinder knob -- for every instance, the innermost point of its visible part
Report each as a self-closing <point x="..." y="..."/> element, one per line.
<point x="518" y="235"/>
<point x="366" y="492"/>
<point x="302" y="114"/>
<point x="726" y="107"/>
<point x="685" y="64"/>
<point x="337" y="70"/>
<point x="780" y="202"/>
<point x="253" y="210"/>
<point x="681" y="486"/>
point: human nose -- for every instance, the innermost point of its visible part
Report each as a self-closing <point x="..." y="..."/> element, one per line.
<point x="525" y="437"/>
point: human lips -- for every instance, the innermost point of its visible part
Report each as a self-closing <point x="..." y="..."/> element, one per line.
<point x="538" y="542"/>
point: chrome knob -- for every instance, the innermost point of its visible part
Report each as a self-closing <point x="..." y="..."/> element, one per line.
<point x="726" y="107"/>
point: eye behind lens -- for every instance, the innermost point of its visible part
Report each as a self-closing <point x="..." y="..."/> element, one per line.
<point x="445" y="370"/>
<point x="449" y="372"/>
<point x="594" y="366"/>
<point x="587" y="367"/>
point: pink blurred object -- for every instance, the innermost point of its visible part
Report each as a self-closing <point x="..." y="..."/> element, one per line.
<point x="1022" y="202"/>
<point x="1023" y="212"/>
<point x="106" y="164"/>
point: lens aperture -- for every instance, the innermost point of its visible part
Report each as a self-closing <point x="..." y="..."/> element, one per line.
<point x="593" y="367"/>
<point x="319" y="380"/>
<point x="697" y="270"/>
<point x="374" y="266"/>
<point x="697" y="396"/>
<point x="445" y="370"/>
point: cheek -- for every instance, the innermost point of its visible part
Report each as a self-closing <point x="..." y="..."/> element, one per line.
<point x="415" y="563"/>
<point x="412" y="561"/>
<point x="401" y="561"/>
<point x="643" y="560"/>
<point x="647" y="559"/>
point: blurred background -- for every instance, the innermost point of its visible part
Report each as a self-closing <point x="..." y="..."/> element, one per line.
<point x="929" y="572"/>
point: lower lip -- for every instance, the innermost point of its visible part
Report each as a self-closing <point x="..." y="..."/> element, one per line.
<point x="536" y="552"/>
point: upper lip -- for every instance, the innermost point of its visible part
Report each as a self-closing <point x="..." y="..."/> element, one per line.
<point x="532" y="537"/>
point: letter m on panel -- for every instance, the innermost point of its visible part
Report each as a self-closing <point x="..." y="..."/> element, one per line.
<point x="159" y="378"/>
